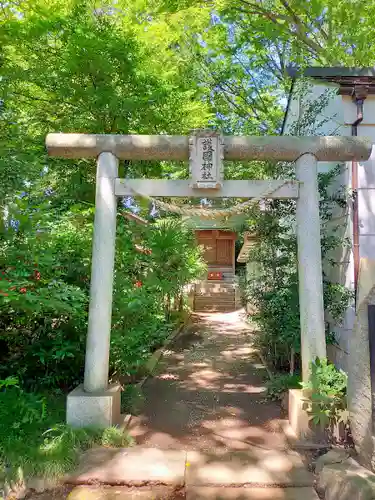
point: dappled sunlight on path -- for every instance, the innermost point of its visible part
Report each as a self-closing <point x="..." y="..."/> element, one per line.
<point x="208" y="393"/>
<point x="206" y="429"/>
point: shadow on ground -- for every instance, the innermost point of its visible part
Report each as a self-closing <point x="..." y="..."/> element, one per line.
<point x="208" y="393"/>
<point x="206" y="429"/>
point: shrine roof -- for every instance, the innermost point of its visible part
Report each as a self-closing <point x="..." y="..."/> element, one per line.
<point x="233" y="223"/>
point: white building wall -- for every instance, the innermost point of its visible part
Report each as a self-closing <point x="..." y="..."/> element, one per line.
<point x="366" y="188"/>
<point x="336" y="119"/>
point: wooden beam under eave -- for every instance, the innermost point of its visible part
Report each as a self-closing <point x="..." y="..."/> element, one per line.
<point x="134" y="218"/>
<point x="182" y="189"/>
<point x="248" y="244"/>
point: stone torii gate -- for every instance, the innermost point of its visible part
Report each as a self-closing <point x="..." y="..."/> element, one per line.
<point x="97" y="403"/>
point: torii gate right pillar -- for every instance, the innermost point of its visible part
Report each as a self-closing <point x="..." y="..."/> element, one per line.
<point x="313" y="341"/>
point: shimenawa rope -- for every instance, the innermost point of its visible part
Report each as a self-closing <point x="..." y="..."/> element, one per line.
<point x="212" y="212"/>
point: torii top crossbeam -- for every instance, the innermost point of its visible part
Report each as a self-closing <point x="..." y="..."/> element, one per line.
<point x="168" y="147"/>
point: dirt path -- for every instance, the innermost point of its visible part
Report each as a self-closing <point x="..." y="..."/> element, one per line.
<point x="208" y="393"/>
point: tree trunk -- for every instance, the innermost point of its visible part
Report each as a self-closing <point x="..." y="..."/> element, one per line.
<point x="292" y="361"/>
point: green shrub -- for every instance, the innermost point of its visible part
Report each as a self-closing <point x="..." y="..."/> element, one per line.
<point x="147" y="288"/>
<point x="34" y="440"/>
<point x="273" y="289"/>
<point x="44" y="269"/>
<point x="132" y="399"/>
<point x="327" y="379"/>
<point x="327" y="387"/>
<point x="115" y="437"/>
<point x="280" y="383"/>
<point x="44" y="292"/>
<point x="130" y="350"/>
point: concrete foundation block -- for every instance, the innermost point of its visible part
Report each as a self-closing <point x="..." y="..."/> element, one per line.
<point x="300" y="423"/>
<point x="94" y="409"/>
<point x="298" y="417"/>
<point x="302" y="426"/>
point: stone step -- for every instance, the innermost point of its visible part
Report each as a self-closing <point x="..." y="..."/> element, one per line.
<point x="253" y="467"/>
<point x="224" y="305"/>
<point x="215" y="309"/>
<point x="225" y="279"/>
<point x="209" y="302"/>
<point x="213" y="303"/>
<point x="228" y="278"/>
<point x="224" y="493"/>
<point x="126" y="493"/>
<point x="217" y="282"/>
<point x="212" y="298"/>
<point x="190" y="493"/>
<point x="216" y="287"/>
<point x="145" y="467"/>
<point x="227" y="303"/>
<point x="215" y="296"/>
<point x="130" y="467"/>
<point x="225" y="276"/>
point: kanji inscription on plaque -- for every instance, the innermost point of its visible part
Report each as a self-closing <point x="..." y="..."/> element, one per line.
<point x="206" y="160"/>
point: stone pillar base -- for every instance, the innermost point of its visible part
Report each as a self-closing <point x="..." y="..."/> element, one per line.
<point x="94" y="409"/>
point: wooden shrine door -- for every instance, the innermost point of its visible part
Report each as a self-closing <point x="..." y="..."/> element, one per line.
<point x="224" y="252"/>
<point x="218" y="247"/>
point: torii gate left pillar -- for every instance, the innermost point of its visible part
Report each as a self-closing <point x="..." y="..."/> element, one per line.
<point x="97" y="404"/>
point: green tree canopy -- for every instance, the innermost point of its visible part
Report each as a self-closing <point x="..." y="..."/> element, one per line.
<point x="77" y="67"/>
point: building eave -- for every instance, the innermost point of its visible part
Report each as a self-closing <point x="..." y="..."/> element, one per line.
<point x="248" y="244"/>
<point x="326" y="73"/>
<point x="346" y="79"/>
<point x="232" y="223"/>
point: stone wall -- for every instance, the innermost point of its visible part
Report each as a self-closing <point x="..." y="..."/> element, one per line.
<point x="359" y="372"/>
